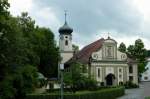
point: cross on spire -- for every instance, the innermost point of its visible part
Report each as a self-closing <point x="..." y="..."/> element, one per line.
<point x="65" y="16"/>
<point x="108" y="35"/>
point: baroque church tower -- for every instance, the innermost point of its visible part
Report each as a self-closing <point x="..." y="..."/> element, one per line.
<point x="65" y="42"/>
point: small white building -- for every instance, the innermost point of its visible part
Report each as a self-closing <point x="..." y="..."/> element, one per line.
<point x="146" y="74"/>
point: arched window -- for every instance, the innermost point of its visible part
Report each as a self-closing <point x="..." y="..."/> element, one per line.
<point x="120" y="70"/>
<point x="66" y="42"/>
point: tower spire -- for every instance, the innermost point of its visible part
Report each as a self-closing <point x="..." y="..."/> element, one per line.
<point x="65" y="16"/>
<point x="65" y="29"/>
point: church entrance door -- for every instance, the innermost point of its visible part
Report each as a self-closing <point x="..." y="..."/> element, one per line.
<point x="109" y="79"/>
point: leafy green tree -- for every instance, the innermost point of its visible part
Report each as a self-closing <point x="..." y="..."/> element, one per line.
<point x="25" y="80"/>
<point x="140" y="55"/>
<point x="4" y="13"/>
<point x="48" y="52"/>
<point x="72" y="77"/>
<point x="130" y="51"/>
<point x="77" y="80"/>
<point x="27" y="26"/>
<point x="40" y="46"/>
<point x="138" y="52"/>
<point x="122" y="47"/>
<point x="148" y="53"/>
<point x="25" y="49"/>
<point x="13" y="60"/>
<point x="75" y="48"/>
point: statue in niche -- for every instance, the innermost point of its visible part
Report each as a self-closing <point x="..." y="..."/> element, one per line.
<point x="109" y="53"/>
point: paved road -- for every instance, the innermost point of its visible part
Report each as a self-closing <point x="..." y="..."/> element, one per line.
<point x="137" y="93"/>
<point x="146" y="88"/>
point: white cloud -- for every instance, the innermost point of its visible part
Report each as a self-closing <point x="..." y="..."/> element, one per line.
<point x="124" y="19"/>
<point x="131" y="40"/>
<point x="143" y="7"/>
<point x="46" y="17"/>
<point x="18" y="6"/>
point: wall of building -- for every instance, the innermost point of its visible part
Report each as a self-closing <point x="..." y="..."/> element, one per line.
<point x="62" y="41"/>
<point x="106" y="69"/>
<point x="146" y="74"/>
<point x="66" y="56"/>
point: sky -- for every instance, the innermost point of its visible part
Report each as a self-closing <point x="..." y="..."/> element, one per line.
<point x="123" y="20"/>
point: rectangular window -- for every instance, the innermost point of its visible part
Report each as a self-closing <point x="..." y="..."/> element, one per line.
<point x="120" y="70"/>
<point x="98" y="73"/>
<point x="120" y="76"/>
<point x="66" y="42"/>
<point x="130" y="69"/>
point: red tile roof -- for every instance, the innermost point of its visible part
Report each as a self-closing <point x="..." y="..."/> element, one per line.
<point x="84" y="54"/>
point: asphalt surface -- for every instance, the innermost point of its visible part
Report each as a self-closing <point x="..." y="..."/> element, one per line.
<point x="137" y="93"/>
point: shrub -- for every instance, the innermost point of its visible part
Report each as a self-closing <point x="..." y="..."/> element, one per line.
<point x="130" y="84"/>
<point x="102" y="83"/>
<point x="147" y="97"/>
<point x="110" y="93"/>
<point x="121" y="83"/>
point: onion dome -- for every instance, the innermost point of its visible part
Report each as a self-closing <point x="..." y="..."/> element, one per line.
<point x="65" y="29"/>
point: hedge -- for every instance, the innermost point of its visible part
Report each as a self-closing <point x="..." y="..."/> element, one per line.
<point x="147" y="97"/>
<point x="111" y="93"/>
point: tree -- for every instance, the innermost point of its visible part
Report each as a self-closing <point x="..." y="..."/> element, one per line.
<point x="138" y="52"/>
<point x="40" y="45"/>
<point x="25" y="80"/>
<point x="72" y="77"/>
<point x="75" y="48"/>
<point x="14" y="81"/>
<point x="48" y="52"/>
<point x="148" y="53"/>
<point x="131" y="52"/>
<point x="76" y="80"/>
<point x="25" y="49"/>
<point x="122" y="47"/>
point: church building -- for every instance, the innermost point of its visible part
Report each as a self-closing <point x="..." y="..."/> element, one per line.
<point x="102" y="59"/>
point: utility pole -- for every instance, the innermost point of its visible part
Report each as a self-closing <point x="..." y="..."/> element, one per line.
<point x="62" y="85"/>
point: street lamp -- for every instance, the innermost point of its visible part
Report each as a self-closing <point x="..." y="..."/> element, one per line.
<point x="61" y="71"/>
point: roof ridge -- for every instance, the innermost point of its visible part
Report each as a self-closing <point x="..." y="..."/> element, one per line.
<point x="84" y="54"/>
<point x="88" y="46"/>
<point x="93" y="42"/>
